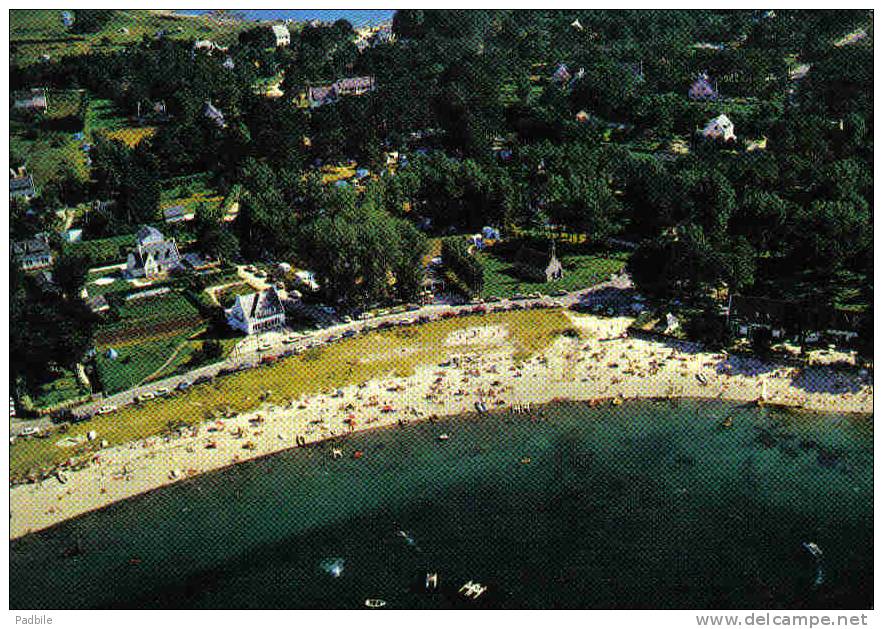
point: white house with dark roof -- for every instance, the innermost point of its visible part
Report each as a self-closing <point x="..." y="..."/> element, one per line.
<point x="720" y="128"/>
<point x="153" y="255"/>
<point x="282" y="35"/>
<point x="21" y="185"/>
<point x="257" y="312"/>
<point x="352" y="86"/>
<point x="33" y="254"/>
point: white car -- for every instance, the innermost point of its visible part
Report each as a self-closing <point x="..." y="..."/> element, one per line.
<point x="263" y="347"/>
<point x="162" y="392"/>
<point x="107" y="408"/>
<point x="30" y="431"/>
<point x="144" y="397"/>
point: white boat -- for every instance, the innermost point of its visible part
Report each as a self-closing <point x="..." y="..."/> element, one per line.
<point x="472" y="589"/>
<point x="375" y="603"/>
<point x="431" y="580"/>
<point x="444" y="436"/>
<point x="814" y="549"/>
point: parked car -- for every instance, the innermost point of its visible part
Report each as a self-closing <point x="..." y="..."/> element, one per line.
<point x="202" y="379"/>
<point x="184" y="385"/>
<point x="30" y="431"/>
<point x="107" y="408"/>
<point x="144" y="397"/>
<point x="493" y="299"/>
<point x="162" y="392"/>
<point x="519" y="296"/>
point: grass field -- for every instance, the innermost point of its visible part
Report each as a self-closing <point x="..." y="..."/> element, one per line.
<point x="136" y="362"/>
<point x="65" y="103"/>
<point x="34" y="32"/>
<point x="53" y="392"/>
<point x="48" y="155"/>
<point x="103" y="251"/>
<point x="227" y="296"/>
<point x="346" y="362"/>
<point x="152" y="310"/>
<point x="189" y="191"/>
<point x="104" y="118"/>
<point x="581" y="270"/>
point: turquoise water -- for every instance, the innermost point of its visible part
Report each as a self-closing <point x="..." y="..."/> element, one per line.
<point x="645" y="505"/>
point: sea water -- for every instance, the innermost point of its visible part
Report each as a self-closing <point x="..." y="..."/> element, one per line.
<point x="644" y="505"/>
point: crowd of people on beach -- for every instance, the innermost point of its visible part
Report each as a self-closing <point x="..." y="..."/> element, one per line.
<point x="601" y="364"/>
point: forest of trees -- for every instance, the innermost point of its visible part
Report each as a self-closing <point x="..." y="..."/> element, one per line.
<point x="790" y="221"/>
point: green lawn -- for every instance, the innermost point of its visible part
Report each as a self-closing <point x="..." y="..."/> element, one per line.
<point x="136" y="362"/>
<point x="189" y="192"/>
<point x="581" y="270"/>
<point x="227" y="296"/>
<point x="103" y="251"/>
<point x="53" y="392"/>
<point x="65" y="103"/>
<point x="118" y="285"/>
<point x="48" y="155"/>
<point x="153" y="310"/>
<point x="103" y="114"/>
<point x="34" y="32"/>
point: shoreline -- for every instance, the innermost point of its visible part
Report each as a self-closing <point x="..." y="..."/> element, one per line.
<point x="599" y="367"/>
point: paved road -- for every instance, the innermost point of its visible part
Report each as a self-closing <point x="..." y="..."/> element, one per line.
<point x="249" y="352"/>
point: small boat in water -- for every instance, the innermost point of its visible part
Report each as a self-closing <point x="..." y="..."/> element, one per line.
<point x="817" y="554"/>
<point x="727" y="423"/>
<point x="472" y="590"/>
<point x="375" y="603"/>
<point x="444" y="436"/>
<point x="432" y="580"/>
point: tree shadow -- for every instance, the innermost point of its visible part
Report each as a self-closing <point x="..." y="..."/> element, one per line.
<point x="825" y="379"/>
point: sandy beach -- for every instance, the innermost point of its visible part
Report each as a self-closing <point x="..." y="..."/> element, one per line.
<point x="602" y="365"/>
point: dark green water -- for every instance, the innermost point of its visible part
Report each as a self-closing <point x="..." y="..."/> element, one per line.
<point x="644" y="505"/>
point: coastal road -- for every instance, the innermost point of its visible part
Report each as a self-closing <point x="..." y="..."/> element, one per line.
<point x="252" y="350"/>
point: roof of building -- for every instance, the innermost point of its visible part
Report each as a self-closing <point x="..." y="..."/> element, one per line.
<point x="21" y="185"/>
<point x="97" y="303"/>
<point x="261" y="305"/>
<point x="174" y="214"/>
<point x="165" y="252"/>
<point x="39" y="244"/>
<point x="280" y="30"/>
<point x="534" y="257"/>
<point x="214" y="113"/>
<point x="148" y="234"/>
